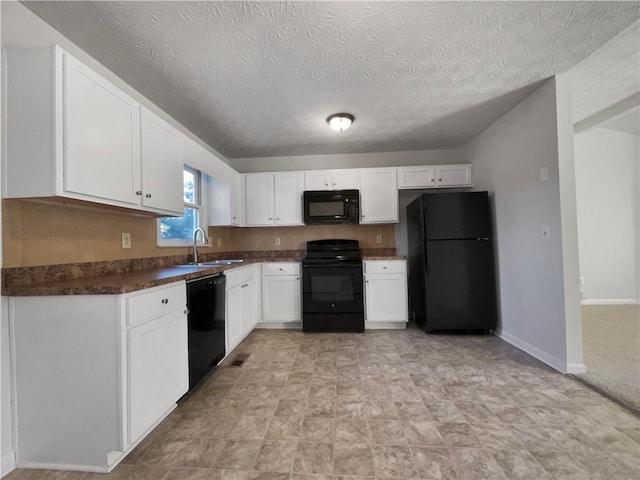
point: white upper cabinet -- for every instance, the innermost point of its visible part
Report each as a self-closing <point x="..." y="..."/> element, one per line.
<point x="161" y="151"/>
<point x="225" y="196"/>
<point x="238" y="199"/>
<point x="94" y="142"/>
<point x="100" y="131"/>
<point x="434" y="176"/>
<point x="348" y="179"/>
<point x="274" y="198"/>
<point x="420" y="176"/>
<point x="453" y="176"/>
<point x="378" y="195"/>
<point x="260" y="207"/>
<point x="288" y="198"/>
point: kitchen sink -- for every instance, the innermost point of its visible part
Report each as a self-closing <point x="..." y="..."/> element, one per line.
<point x="213" y="263"/>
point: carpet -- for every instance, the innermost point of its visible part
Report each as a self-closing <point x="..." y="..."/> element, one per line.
<point x="611" y="335"/>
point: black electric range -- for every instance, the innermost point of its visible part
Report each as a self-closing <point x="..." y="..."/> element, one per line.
<point x="332" y="287"/>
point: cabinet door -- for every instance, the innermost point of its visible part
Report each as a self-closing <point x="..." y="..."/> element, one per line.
<point x="345" y="180"/>
<point x="260" y="199"/>
<point x="161" y="149"/>
<point x="281" y="298"/>
<point x="101" y="137"/>
<point x="288" y="198"/>
<point x="318" y="180"/>
<point x="237" y="198"/>
<point x="386" y="297"/>
<point x="249" y="293"/>
<point x="453" y="176"/>
<point x="158" y="369"/>
<point x="378" y="195"/>
<point x="416" y="177"/>
<point x="235" y="312"/>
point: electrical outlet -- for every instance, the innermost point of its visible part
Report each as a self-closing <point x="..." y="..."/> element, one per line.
<point x="378" y="238"/>
<point x="277" y="240"/>
<point x="126" y="240"/>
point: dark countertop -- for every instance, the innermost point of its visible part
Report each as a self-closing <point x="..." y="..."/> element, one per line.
<point x="131" y="281"/>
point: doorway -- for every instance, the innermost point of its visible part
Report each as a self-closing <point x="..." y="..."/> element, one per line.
<point x="607" y="170"/>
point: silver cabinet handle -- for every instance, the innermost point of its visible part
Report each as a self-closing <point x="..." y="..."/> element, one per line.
<point x="139" y="192"/>
<point x="165" y="301"/>
<point x="148" y="195"/>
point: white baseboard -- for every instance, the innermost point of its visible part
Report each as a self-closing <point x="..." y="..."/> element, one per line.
<point x="385" y="325"/>
<point x="8" y="463"/>
<point x="576" y="368"/>
<point x="280" y="325"/>
<point x="611" y="301"/>
<point x="541" y="355"/>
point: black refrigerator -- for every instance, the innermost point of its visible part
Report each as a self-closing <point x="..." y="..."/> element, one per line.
<point x="451" y="267"/>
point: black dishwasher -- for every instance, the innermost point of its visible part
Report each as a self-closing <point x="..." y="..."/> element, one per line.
<point x="205" y="301"/>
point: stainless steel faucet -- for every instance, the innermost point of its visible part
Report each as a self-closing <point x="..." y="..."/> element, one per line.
<point x="205" y="241"/>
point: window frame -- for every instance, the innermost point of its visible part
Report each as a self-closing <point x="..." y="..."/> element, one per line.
<point x="199" y="207"/>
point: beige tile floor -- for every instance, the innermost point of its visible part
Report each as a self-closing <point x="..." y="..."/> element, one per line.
<point x="384" y="404"/>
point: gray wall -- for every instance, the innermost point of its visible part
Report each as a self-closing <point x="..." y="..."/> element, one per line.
<point x="507" y="159"/>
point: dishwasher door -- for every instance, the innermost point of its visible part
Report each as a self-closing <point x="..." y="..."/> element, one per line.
<point x="205" y="301"/>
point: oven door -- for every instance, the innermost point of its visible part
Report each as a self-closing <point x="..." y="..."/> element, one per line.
<point x="332" y="297"/>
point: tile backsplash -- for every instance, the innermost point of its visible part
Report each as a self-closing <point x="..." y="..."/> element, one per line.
<point x="47" y="234"/>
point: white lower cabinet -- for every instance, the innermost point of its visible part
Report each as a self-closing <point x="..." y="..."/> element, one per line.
<point x="95" y="373"/>
<point x="385" y="294"/>
<point x="157" y="372"/>
<point x="242" y="303"/>
<point x="281" y="291"/>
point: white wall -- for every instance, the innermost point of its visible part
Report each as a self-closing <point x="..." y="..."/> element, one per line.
<point x="507" y="159"/>
<point x="347" y="160"/>
<point x="607" y="194"/>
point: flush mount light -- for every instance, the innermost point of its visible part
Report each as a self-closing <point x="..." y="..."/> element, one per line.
<point x="340" y="121"/>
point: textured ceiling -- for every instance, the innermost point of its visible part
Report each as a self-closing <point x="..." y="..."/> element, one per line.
<point x="259" y="79"/>
<point x="608" y="76"/>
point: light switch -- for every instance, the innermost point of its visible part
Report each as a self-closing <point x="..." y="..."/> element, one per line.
<point x="219" y="242"/>
<point x="126" y="240"/>
<point x="544" y="174"/>
<point x="277" y="240"/>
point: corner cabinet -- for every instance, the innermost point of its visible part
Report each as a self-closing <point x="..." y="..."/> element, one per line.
<point x="385" y="293"/>
<point x="378" y="195"/>
<point x="242" y="307"/>
<point x="95" y="143"/>
<point x="94" y="374"/>
<point x="281" y="295"/>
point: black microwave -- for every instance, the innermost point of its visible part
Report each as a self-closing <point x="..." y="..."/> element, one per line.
<point x="332" y="206"/>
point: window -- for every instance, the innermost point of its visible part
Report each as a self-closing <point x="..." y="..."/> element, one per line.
<point x="178" y="231"/>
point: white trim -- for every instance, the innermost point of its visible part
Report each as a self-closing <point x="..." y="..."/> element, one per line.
<point x="575" y="368"/>
<point x="8" y="463"/>
<point x="541" y="355"/>
<point x="611" y="301"/>
<point x="280" y="325"/>
<point x="385" y="325"/>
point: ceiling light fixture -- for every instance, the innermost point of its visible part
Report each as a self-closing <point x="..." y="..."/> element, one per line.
<point x="340" y="121"/>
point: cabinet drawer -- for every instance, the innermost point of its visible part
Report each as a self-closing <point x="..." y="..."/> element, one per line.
<point x="289" y="268"/>
<point x="385" y="266"/>
<point x="241" y="275"/>
<point x="155" y="301"/>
